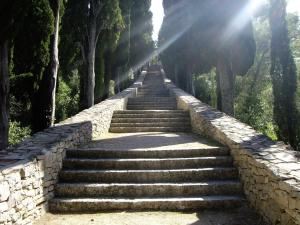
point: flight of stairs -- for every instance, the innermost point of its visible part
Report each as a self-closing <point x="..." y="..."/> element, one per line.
<point x="152" y="110"/>
<point x="100" y="179"/>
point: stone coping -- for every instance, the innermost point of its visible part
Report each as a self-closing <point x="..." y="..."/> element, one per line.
<point x="269" y="170"/>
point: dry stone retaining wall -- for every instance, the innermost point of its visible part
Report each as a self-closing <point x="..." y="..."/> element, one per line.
<point x="29" y="172"/>
<point x="269" y="171"/>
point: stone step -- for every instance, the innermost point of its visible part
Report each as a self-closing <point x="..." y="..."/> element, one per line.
<point x="156" y="112"/>
<point x="150" y="107"/>
<point x="149" y="176"/>
<point x="153" y="115"/>
<point x="156" y="124"/>
<point x="153" y="87"/>
<point x="149" y="120"/>
<point x="169" y="103"/>
<point x="156" y="99"/>
<point x="148" y="129"/>
<point x="154" y="105"/>
<point x="153" y="95"/>
<point x="147" y="153"/>
<point x="63" y="205"/>
<point x="148" y="163"/>
<point x="152" y="92"/>
<point x="137" y="190"/>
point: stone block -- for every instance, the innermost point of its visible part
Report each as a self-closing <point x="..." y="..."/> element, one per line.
<point x="3" y="207"/>
<point x="4" y="191"/>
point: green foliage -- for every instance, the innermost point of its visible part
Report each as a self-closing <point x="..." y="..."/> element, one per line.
<point x="254" y="96"/>
<point x="205" y="88"/>
<point x="31" y="45"/>
<point x="67" y="98"/>
<point x="255" y="107"/>
<point x="284" y="76"/>
<point x="141" y="42"/>
<point x="21" y="87"/>
<point x="17" y="132"/>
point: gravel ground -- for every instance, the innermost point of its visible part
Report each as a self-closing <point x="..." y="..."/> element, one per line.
<point x="241" y="216"/>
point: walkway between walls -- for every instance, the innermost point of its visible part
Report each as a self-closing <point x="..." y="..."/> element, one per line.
<point x="150" y="160"/>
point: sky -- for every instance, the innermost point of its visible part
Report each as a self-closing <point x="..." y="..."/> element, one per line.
<point x="158" y="13"/>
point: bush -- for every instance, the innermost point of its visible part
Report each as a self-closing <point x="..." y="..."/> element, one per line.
<point x="205" y="88"/>
<point x="67" y="98"/>
<point x="17" y="132"/>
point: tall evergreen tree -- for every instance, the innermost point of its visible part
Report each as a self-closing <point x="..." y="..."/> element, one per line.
<point x="122" y="52"/>
<point x="32" y="55"/>
<point x="284" y="75"/>
<point x="88" y="21"/>
<point x="45" y="109"/>
<point x="207" y="39"/>
<point x="141" y="43"/>
<point x="11" y="13"/>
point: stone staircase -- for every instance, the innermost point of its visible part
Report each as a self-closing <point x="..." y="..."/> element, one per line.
<point x="150" y="170"/>
<point x="152" y="110"/>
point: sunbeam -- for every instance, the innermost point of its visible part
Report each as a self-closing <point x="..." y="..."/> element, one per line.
<point x="242" y="19"/>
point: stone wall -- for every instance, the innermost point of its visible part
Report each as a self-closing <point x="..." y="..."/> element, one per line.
<point x="269" y="171"/>
<point x="29" y="172"/>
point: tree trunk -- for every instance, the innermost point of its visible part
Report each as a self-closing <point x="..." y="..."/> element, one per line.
<point x="118" y="80"/>
<point x="226" y="84"/>
<point x="89" y="64"/>
<point x="219" y="95"/>
<point x="107" y="75"/>
<point x="99" y="75"/>
<point x="4" y="94"/>
<point x="88" y="48"/>
<point x="190" y="84"/>
<point x="54" y="60"/>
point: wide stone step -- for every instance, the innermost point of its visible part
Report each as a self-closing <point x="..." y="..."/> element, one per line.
<point x="150" y="112"/>
<point x="170" y="103"/>
<point x="150" y="107"/>
<point x="128" y="190"/>
<point x="153" y="95"/>
<point x="153" y="88"/>
<point x="154" y="105"/>
<point x="151" y="116"/>
<point x="151" y="99"/>
<point x="153" y="124"/>
<point x="149" y="176"/>
<point x="149" y="120"/>
<point x="147" y="153"/>
<point x="148" y="129"/>
<point x="180" y="203"/>
<point x="154" y="163"/>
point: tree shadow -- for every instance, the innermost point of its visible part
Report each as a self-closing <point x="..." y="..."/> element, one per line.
<point x="243" y="215"/>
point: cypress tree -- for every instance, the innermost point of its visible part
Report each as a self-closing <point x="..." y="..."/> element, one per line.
<point x="284" y="75"/>
<point x="11" y="16"/>
<point x="194" y="44"/>
<point x="31" y="53"/>
<point x="141" y="43"/>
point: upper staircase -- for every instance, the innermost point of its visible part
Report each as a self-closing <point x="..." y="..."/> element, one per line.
<point x="152" y="110"/>
<point x="151" y="170"/>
